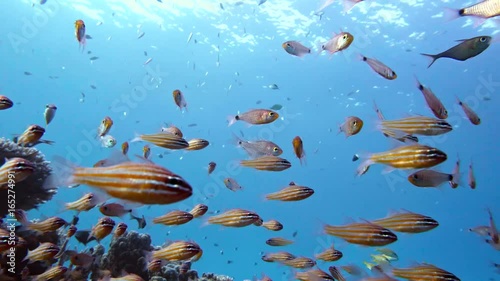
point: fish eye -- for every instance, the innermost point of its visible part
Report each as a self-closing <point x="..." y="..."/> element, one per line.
<point x="345" y="36"/>
<point x="355" y="123"/>
<point x="275" y="149"/>
<point x="271" y="113"/>
<point x="482" y="39"/>
<point x="288" y="45"/>
<point x="415" y="177"/>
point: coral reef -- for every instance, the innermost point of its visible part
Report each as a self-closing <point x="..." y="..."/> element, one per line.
<point x="30" y="193"/>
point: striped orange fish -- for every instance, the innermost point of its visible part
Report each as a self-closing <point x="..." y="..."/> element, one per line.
<point x="335" y="272"/>
<point x="125" y="147"/>
<point x="177" y="251"/>
<point x="15" y="170"/>
<point x="86" y="203"/>
<point x="313" y="274"/>
<point x="406" y="157"/>
<point x="6" y="241"/>
<point x="44" y="252"/>
<point x="175" y="217"/>
<point x="267" y="163"/>
<point x="235" y="218"/>
<point x="298" y="149"/>
<point x="5" y="103"/>
<point x="162" y="139"/>
<point x="277" y="257"/>
<point x="53" y="273"/>
<point x="407" y="222"/>
<point x="292" y="192"/>
<point x="120" y="229"/>
<point x="199" y="210"/>
<point x="102" y="229"/>
<point x="300" y="262"/>
<point x="424" y="271"/>
<point x="273" y="225"/>
<point x="155" y="265"/>
<point x="145" y="183"/>
<point x="417" y="125"/>
<point x="47" y="225"/>
<point x="331" y="254"/>
<point x="278" y="241"/>
<point x="30" y="136"/>
<point x="364" y="233"/>
<point x="390" y="133"/>
<point x="197" y="144"/>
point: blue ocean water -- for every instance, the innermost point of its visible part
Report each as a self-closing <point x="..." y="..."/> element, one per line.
<point x="233" y="56"/>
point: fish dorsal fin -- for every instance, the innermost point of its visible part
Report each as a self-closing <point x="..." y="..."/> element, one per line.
<point x="292" y="183"/>
<point x="461" y="40"/>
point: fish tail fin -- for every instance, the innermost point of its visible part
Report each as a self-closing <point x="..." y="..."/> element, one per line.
<point x="231" y="120"/>
<point x="62" y="175"/>
<point x="451" y="14"/>
<point x="432" y="57"/>
<point x="360" y="56"/>
<point x="137" y="137"/>
<point x="363" y="167"/>
<point x="348" y="5"/>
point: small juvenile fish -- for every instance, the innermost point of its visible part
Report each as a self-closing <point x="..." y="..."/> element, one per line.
<point x="267" y="163"/>
<point x="276" y="107"/>
<point x="179" y="99"/>
<point x="125" y="148"/>
<point x="5" y="103"/>
<point x="80" y="33"/>
<point x="295" y="48"/>
<point x="211" y="167"/>
<point x="108" y="141"/>
<point x="278" y="241"/>
<point x="351" y="126"/>
<point x="273" y="87"/>
<point x="407" y="222"/>
<point x="104" y="127"/>
<point x="199" y="210"/>
<point x="147" y="61"/>
<point x="141" y="222"/>
<point x="471" y="115"/>
<point x="235" y="218"/>
<point x="146" y="151"/>
<point x="362" y="233"/>
<point x="232" y="184"/>
<point x="197" y="144"/>
<point x="429" y="178"/>
<point x="483" y="230"/>
<point x="298" y="149"/>
<point x="175" y="217"/>
<point x="468" y="48"/>
<point x="93" y="58"/>
<point x="272" y="225"/>
<point x="472" y="178"/>
<point x="432" y="101"/>
<point x="380" y="68"/>
<point x="141" y="35"/>
<point x="255" y="117"/>
<point x="337" y="43"/>
<point x="292" y="192"/>
<point x="50" y="112"/>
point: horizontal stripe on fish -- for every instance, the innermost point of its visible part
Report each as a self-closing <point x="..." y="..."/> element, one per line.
<point x="267" y="163"/>
<point x="175" y="217"/>
<point x="366" y="234"/>
<point x="408" y="222"/>
<point x="197" y="144"/>
<point x="330" y="254"/>
<point x="424" y="272"/>
<point x="177" y="251"/>
<point x="417" y="125"/>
